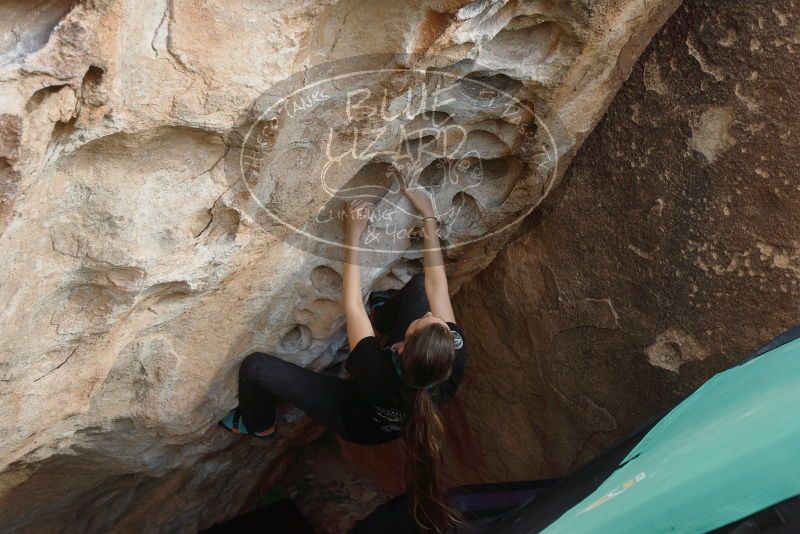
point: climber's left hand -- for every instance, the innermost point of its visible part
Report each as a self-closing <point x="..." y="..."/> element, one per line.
<point x="358" y="214"/>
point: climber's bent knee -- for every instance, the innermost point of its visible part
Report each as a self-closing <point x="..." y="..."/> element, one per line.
<point x="254" y="361"/>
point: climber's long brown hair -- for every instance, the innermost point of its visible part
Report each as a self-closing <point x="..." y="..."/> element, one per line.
<point x="426" y="359"/>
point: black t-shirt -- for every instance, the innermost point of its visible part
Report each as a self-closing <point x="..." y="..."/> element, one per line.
<point x="377" y="410"/>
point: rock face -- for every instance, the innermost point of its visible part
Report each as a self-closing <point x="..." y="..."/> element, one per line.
<point x="669" y="252"/>
<point x="150" y="241"/>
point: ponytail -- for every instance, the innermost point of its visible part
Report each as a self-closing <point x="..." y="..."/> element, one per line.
<point x="424" y="433"/>
<point x="423" y="436"/>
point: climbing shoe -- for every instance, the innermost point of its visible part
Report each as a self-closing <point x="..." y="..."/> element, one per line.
<point x="233" y="423"/>
<point x="377" y="299"/>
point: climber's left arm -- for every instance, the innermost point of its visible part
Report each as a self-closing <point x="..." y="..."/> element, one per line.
<point x="358" y="324"/>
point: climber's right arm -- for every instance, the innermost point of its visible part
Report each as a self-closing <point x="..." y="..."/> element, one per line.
<point x="358" y="323"/>
<point x="436" y="288"/>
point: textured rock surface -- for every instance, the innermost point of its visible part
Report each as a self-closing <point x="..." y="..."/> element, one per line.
<point x="670" y="251"/>
<point x="135" y="276"/>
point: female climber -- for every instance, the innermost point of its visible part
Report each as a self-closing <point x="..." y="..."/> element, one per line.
<point x="395" y="384"/>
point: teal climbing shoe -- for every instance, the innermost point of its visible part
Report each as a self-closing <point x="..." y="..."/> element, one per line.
<point x="233" y="423"/>
<point x="377" y="299"/>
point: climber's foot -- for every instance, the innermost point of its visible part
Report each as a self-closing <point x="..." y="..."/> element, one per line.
<point x="377" y="299"/>
<point x="233" y="422"/>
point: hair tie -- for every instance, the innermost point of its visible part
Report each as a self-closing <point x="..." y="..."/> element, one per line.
<point x="399" y="372"/>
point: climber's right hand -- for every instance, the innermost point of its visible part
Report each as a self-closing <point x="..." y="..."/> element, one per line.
<point x="420" y="200"/>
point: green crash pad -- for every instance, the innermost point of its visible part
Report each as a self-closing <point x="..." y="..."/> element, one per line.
<point x="730" y="449"/>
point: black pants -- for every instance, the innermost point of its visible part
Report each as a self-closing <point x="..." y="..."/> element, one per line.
<point x="264" y="378"/>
